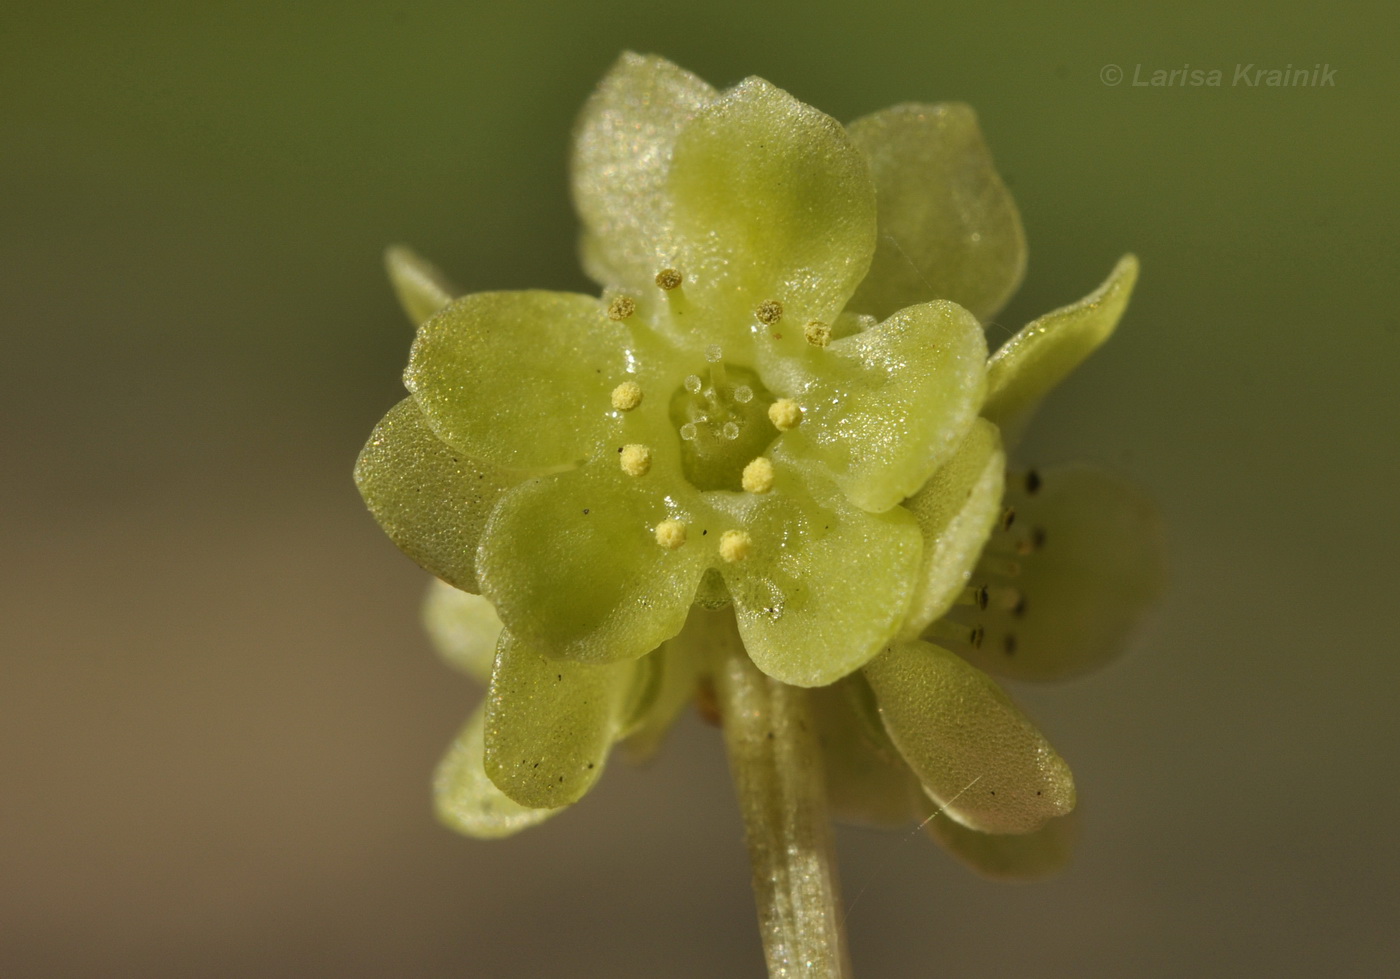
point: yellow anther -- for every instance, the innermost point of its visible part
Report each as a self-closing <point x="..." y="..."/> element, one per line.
<point x="769" y="312"/>
<point x="818" y="334"/>
<point x="635" y="459"/>
<point x="783" y="413"/>
<point x="670" y="534"/>
<point x="669" y="279"/>
<point x="758" y="476"/>
<point x="621" y="307"/>
<point x="627" y="396"/>
<point x="735" y="545"/>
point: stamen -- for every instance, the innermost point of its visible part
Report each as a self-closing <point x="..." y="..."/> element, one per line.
<point x="996" y="566"/>
<point x="669" y="279"/>
<point x="784" y="414"/>
<point x="818" y="334"/>
<point x="729" y="430"/>
<point x="627" y="396"/>
<point x="670" y="534"/>
<point x="714" y="354"/>
<point x="635" y="459"/>
<point x="758" y="476"/>
<point x="1032" y="482"/>
<point x="693" y="384"/>
<point x="1008" y="518"/>
<point x="743" y="394"/>
<point x="1031" y="544"/>
<point x="735" y="545"/>
<point x="953" y="634"/>
<point x="974" y="596"/>
<point x="769" y="312"/>
<point x="689" y="431"/>
<point x="1008" y="644"/>
<point x="621" y="307"/>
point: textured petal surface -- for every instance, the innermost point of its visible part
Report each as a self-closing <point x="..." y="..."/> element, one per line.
<point x="770" y="200"/>
<point x="1044" y="352"/>
<point x="1087" y="549"/>
<point x="956" y="511"/>
<point x="469" y="802"/>
<point x="520" y="379"/>
<point x="572" y="564"/>
<point x="622" y="153"/>
<point x="867" y="783"/>
<point x="1009" y="856"/>
<point x="825" y="585"/>
<point x="948" y="226"/>
<point x="464" y="629"/>
<point x="421" y="287"/>
<point x="974" y="751"/>
<point x="885" y="408"/>
<point x="551" y="722"/>
<point x="431" y="499"/>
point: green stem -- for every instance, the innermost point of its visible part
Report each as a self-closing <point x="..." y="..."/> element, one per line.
<point x="776" y="764"/>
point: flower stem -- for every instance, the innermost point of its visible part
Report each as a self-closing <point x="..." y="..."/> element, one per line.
<point x="777" y="770"/>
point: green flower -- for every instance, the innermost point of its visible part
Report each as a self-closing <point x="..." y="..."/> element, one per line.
<point x="779" y="415"/>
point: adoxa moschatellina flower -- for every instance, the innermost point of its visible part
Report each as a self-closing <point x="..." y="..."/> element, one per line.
<point x="777" y="432"/>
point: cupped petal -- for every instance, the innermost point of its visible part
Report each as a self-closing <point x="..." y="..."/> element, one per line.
<point x="550" y="723"/>
<point x="622" y="152"/>
<point x="467" y="801"/>
<point x="520" y="379"/>
<point x="1070" y="577"/>
<point x="949" y="228"/>
<point x="974" y="751"/>
<point x="420" y="286"/>
<point x="1045" y="351"/>
<point x="431" y="499"/>
<point x="1036" y="855"/>
<point x="956" y="511"/>
<point x="883" y="409"/>
<point x="573" y="564"/>
<point x="464" y="629"/>
<point x="819" y="585"/>
<point x="867" y="783"/>
<point x="771" y="202"/>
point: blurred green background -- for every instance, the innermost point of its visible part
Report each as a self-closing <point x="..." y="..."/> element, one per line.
<point x="218" y="716"/>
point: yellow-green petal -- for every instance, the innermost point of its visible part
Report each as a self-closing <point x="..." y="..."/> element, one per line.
<point x="971" y="747"/>
<point x="1029" y="856"/>
<point x="421" y="287"/>
<point x="1087" y="550"/>
<point x="550" y="723"/>
<point x="824" y="585"/>
<point x="431" y="499"/>
<point x="956" y="511"/>
<point x="1046" y="350"/>
<point x="622" y="153"/>
<point x="949" y="228"/>
<point x="520" y="379"/>
<point x="883" y="409"/>
<point x="572" y="563"/>
<point x="469" y="802"/>
<point x="464" y="629"/>
<point x="770" y="202"/>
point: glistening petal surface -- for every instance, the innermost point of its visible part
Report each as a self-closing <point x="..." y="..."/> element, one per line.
<point x="825" y="585"/>
<point x="519" y="379"/>
<point x="949" y="228"/>
<point x="467" y="800"/>
<point x="884" y="408"/>
<point x="431" y="499"/>
<point x="622" y="152"/>
<point x="572" y="564"/>
<point x="973" y="750"/>
<point x="770" y="200"/>
<point x="1046" y="350"/>
<point x="550" y="723"/>
<point x="956" y="511"/>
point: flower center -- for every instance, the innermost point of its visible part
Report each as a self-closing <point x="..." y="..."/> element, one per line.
<point x="723" y="423"/>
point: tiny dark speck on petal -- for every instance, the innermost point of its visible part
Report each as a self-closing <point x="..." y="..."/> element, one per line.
<point x="770" y="735"/>
<point x="558" y="676"/>
<point x="585" y="511"/>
